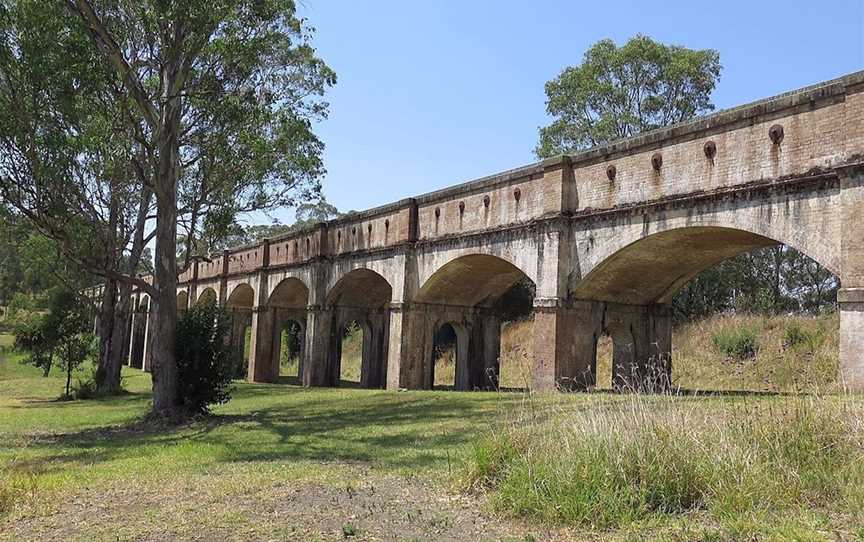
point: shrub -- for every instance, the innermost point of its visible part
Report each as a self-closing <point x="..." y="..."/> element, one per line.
<point x="798" y="337"/>
<point x="739" y="343"/>
<point x="205" y="364"/>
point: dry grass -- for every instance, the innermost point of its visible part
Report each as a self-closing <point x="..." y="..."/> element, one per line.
<point x="726" y="469"/>
<point x="697" y="364"/>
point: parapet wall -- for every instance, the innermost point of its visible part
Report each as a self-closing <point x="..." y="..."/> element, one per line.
<point x="793" y="135"/>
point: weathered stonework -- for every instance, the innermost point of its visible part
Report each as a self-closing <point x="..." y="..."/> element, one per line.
<point x="607" y="236"/>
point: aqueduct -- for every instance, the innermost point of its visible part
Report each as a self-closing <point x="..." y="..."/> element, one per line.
<point x="607" y="236"/>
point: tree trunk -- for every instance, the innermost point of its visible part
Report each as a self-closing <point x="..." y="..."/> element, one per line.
<point x="163" y="364"/>
<point x="105" y="333"/>
<point x="68" y="377"/>
<point x="113" y="333"/>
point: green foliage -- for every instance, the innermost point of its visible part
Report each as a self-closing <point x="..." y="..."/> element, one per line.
<point x="205" y="362"/>
<point x="770" y="280"/>
<point x="619" y="92"/>
<point x="801" y="339"/>
<point x="30" y="336"/>
<point x="58" y="337"/>
<point x="738" y="343"/>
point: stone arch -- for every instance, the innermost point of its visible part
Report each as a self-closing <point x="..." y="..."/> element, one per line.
<point x="241" y="297"/>
<point x="207" y="296"/>
<point x="470" y="280"/>
<point x="240" y="305"/>
<point x="364" y="296"/>
<point x="462" y="338"/>
<point x="288" y="302"/>
<point x="652" y="268"/>
<point x="360" y="287"/>
<point x="628" y="292"/>
<point x="470" y="291"/>
<point x="289" y="293"/>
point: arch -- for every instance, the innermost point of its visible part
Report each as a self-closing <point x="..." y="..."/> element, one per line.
<point x="471" y="293"/>
<point x="290" y="293"/>
<point x="207" y="296"/>
<point x="288" y="302"/>
<point x="361" y="295"/>
<point x="460" y="353"/>
<point x="362" y="288"/>
<point x="651" y="269"/>
<point x="469" y="281"/>
<point x="242" y="297"/>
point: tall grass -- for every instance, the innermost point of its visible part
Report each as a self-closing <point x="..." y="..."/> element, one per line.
<point x="744" y="465"/>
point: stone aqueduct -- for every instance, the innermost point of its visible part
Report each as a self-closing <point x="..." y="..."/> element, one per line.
<point x="607" y="236"/>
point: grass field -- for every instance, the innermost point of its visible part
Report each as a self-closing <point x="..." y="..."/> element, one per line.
<point x="281" y="462"/>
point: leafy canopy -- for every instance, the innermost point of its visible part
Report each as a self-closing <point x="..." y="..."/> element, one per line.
<point x="618" y="92"/>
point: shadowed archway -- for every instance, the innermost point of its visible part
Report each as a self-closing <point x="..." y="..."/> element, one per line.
<point x="469" y="294"/>
<point x="289" y="301"/>
<point x="361" y="297"/>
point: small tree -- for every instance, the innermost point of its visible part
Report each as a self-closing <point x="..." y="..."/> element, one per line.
<point x="205" y="364"/>
<point x="74" y="347"/>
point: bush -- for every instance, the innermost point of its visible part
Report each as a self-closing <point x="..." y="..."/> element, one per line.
<point x="799" y="338"/>
<point x="739" y="343"/>
<point x="205" y="364"/>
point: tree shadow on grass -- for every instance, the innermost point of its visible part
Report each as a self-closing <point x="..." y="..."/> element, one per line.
<point x="395" y="430"/>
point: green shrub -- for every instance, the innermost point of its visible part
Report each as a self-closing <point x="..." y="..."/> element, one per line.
<point x="799" y="338"/>
<point x="205" y="364"/>
<point x="739" y="343"/>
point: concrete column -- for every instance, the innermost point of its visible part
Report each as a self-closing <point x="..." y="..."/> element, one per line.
<point x="467" y="350"/>
<point x="565" y="344"/>
<point x="261" y="365"/>
<point x="145" y="356"/>
<point x="375" y="342"/>
<point x="851" y="302"/>
<point x="642" y="346"/>
<point x="490" y="334"/>
<point x="133" y="332"/>
<point x="405" y="350"/>
<point x="317" y="369"/>
<point x="850" y="298"/>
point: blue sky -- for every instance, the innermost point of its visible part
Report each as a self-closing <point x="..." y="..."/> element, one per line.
<point x="435" y="93"/>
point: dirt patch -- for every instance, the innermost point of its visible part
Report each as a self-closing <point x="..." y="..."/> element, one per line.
<point x="368" y="507"/>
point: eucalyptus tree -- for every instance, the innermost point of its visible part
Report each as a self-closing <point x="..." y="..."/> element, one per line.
<point x="69" y="163"/>
<point x="225" y="94"/>
<point x="618" y="92"/>
<point x="206" y="111"/>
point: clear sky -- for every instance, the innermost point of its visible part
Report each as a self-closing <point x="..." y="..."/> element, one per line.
<point x="434" y="93"/>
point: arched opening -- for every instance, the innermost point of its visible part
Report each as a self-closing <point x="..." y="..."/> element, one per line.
<point x="207" y="297"/>
<point x="288" y="301"/>
<point x="731" y="309"/>
<point x="445" y="352"/>
<point x="239" y="306"/>
<point x="485" y="302"/>
<point x="352" y="348"/>
<point x="362" y="296"/>
<point x="292" y="341"/>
